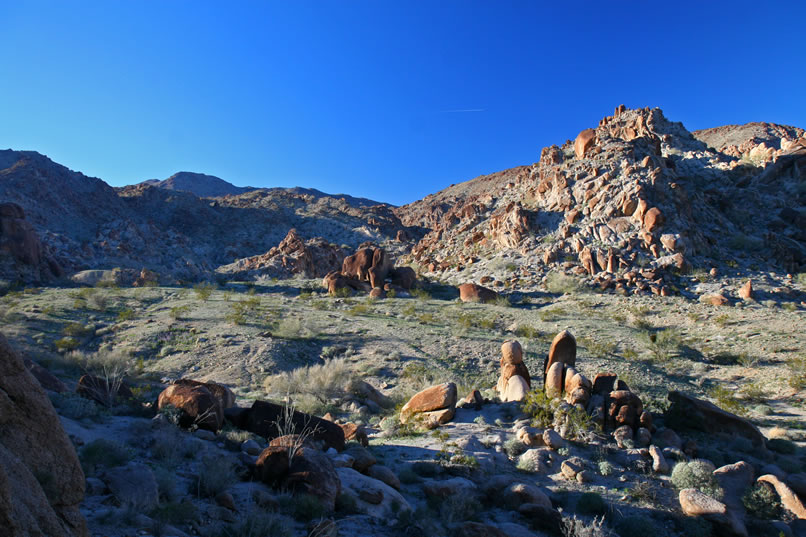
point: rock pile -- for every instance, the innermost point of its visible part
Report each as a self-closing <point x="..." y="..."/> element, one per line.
<point x="370" y="269"/>
<point x="514" y="380"/>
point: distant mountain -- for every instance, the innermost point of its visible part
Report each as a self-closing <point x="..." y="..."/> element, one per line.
<point x="200" y="184"/>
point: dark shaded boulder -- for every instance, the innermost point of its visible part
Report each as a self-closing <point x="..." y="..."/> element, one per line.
<point x="219" y="391"/>
<point x="311" y="472"/>
<point x="197" y="406"/>
<point x="270" y="421"/>
<point x="692" y="413"/>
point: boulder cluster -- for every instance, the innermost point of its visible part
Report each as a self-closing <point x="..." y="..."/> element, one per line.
<point x="370" y="270"/>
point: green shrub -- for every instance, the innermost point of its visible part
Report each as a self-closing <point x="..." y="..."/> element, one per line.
<point x="591" y="503"/>
<point x="215" y="476"/>
<point x="204" y="291"/>
<point x="308" y="507"/>
<point x="73" y="406"/>
<point x="782" y="445"/>
<point x="636" y="526"/>
<point x="179" y="312"/>
<point x="663" y="345"/>
<point x="762" y="502"/>
<point x="605" y="468"/>
<point x="560" y="283"/>
<point x="696" y="474"/>
<point x="725" y="398"/>
<point x="797" y="372"/>
<point x="540" y="408"/>
<point x="175" y="512"/>
<point x="347" y="504"/>
<point x="576" y="527"/>
<point x="256" y="524"/>
<point x="126" y="314"/>
<point x="102" y="453"/>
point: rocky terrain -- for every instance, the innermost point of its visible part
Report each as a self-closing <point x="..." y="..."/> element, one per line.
<point x="608" y="342"/>
<point x="199" y="184"/>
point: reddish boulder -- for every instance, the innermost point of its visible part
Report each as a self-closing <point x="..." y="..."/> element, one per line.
<point x="311" y="472"/>
<point x="404" y="277"/>
<point x="224" y="395"/>
<point x="563" y="349"/>
<point x="439" y="397"/>
<point x="470" y="292"/>
<point x="196" y="404"/>
<point x="746" y="291"/>
<point x="624" y="408"/>
<point x="695" y="413"/>
<point x="272" y="465"/>
<point x="653" y="219"/>
<point x="584" y="142"/>
<point x="355" y="432"/>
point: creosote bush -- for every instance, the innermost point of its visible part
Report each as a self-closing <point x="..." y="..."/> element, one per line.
<point x="762" y="502"/>
<point x="215" y="476"/>
<point x="102" y="453"/>
<point x="540" y="408"/>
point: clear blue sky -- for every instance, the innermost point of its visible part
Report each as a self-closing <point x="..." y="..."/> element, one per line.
<point x="387" y="100"/>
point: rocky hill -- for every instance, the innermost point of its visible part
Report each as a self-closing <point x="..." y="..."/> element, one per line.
<point x="83" y="223"/>
<point x="627" y="205"/>
<point x="200" y="184"/>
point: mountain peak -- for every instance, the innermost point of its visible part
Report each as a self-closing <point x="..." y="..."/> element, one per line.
<point x="200" y="184"/>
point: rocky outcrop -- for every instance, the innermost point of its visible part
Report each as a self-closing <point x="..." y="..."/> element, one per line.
<point x="703" y="415"/>
<point x="41" y="481"/>
<point x="22" y="255"/>
<point x="514" y="379"/>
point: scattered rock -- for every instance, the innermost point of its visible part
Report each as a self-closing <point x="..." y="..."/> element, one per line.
<point x="659" y="464"/>
<point x="695" y="503"/>
<point x="552" y="439"/>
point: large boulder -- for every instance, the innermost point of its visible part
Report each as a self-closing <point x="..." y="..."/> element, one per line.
<point x="584" y="142"/>
<point x="563" y="349"/>
<point x="789" y="499"/>
<point x="311" y="472"/>
<point x="373" y="497"/>
<point x="512" y="366"/>
<point x="270" y="421"/>
<point x="688" y="411"/>
<point x="224" y="395"/>
<point x="41" y="481"/>
<point x="369" y="265"/>
<point x="440" y="399"/>
<point x="471" y="292"/>
<point x="404" y="277"/>
<point x="196" y="405"/>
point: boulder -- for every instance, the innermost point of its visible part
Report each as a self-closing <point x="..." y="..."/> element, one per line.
<point x="659" y="464"/>
<point x="45" y="378"/>
<point x="554" y="380"/>
<point x="477" y="529"/>
<point x="585" y="140"/>
<point x="363" y="460"/>
<point x="624" y="408"/>
<point x="746" y="290"/>
<point x="403" y="277"/>
<point x="695" y="503"/>
<point x="511" y="352"/>
<point x="563" y="349"/>
<point x="553" y="440"/>
<point x="653" y="219"/>
<point x="34" y="444"/>
<point x="471" y="292"/>
<point x="517" y="494"/>
<point x="355" y="432"/>
<point x="449" y="487"/>
<point x="385" y="501"/>
<point x="624" y="436"/>
<point x="439" y="397"/>
<point x="197" y="406"/>
<point x="789" y="499"/>
<point x="604" y="383"/>
<point x="516" y="389"/>
<point x="270" y="421"/>
<point x="383" y="473"/>
<point x="705" y="416"/>
<point x="377" y="293"/>
<point x="311" y="472"/>
<point x="224" y="395"/>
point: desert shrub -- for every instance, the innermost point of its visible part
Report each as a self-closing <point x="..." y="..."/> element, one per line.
<point x="420" y="293"/>
<point x="481" y="322"/>
<point x="605" y="468"/>
<point x="575" y="527"/>
<point x="307" y="507"/>
<point x="204" y="291"/>
<point x="102" y="453"/>
<point x="126" y="314"/>
<point x="105" y="364"/>
<point x="76" y="330"/>
<point x="456" y="508"/>
<point x="347" y="504"/>
<point x="663" y="345"/>
<point x="693" y="526"/>
<point x="725" y="398"/>
<point x="175" y="512"/>
<point x="599" y="349"/>
<point x="560" y="283"/>
<point x="636" y="526"/>
<point x="319" y="382"/>
<point x="762" y="502"/>
<point x="578" y="423"/>
<point x="66" y="344"/>
<point x="540" y="408"/>
<point x="179" y="312"/>
<point x="408" y="476"/>
<point x="167" y="484"/>
<point x="256" y="524"/>
<point x="528" y="332"/>
<point x="696" y="474"/>
<point x="591" y="503"/>
<point x="170" y="444"/>
<point x="782" y="445"/>
<point x="360" y="309"/>
<point x="215" y="475"/>
<point x="797" y="372"/>
<point x="97" y="300"/>
<point x="73" y="406"/>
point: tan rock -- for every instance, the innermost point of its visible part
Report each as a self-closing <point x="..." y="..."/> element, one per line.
<point x="196" y="404"/>
<point x="563" y="349"/>
<point x="659" y="464"/>
<point x="554" y="380"/>
<point x="653" y="219"/>
<point x="552" y="439"/>
<point x="585" y="140"/>
<point x="439" y="397"/>
<point x="511" y="352"/>
<point x="516" y="389"/>
<point x="789" y="499"/>
<point x="471" y="292"/>
<point x="746" y="290"/>
<point x="695" y="503"/>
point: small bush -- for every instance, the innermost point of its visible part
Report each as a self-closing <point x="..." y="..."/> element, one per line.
<point x="307" y="507"/>
<point x="591" y="503"/>
<point x="320" y="382"/>
<point x="126" y="314"/>
<point x="540" y="408"/>
<point x="560" y="283"/>
<point x="725" y="399"/>
<point x="797" y="372"/>
<point x="204" y="291"/>
<point x="694" y="527"/>
<point x="73" y="406"/>
<point x="575" y="527"/>
<point x="662" y="345"/>
<point x="782" y="445"/>
<point x="215" y="476"/>
<point x="347" y="504"/>
<point x="175" y="512"/>
<point x="179" y="312"/>
<point x="696" y="474"/>
<point x="762" y="502"/>
<point x="102" y="453"/>
<point x="605" y="468"/>
<point x="636" y="526"/>
<point x="256" y="525"/>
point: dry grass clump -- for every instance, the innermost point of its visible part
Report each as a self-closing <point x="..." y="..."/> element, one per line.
<point x="313" y="387"/>
<point x="560" y="283"/>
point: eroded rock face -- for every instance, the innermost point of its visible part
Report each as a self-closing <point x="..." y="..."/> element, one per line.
<point x="33" y="443"/>
<point x="20" y="244"/>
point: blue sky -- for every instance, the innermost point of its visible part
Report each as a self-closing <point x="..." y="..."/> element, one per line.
<point x="387" y="100"/>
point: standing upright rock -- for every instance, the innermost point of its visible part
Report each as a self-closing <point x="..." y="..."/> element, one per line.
<point x="584" y="142"/>
<point x="563" y="349"/>
<point x="41" y="481"/>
